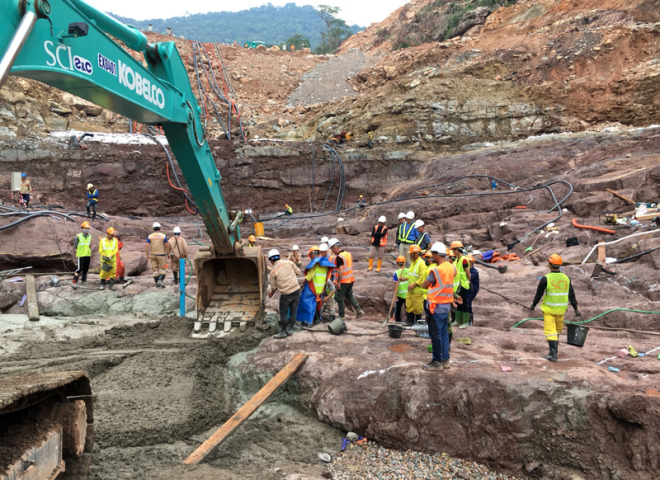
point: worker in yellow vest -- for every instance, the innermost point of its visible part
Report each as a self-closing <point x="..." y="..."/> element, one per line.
<point x="462" y="285"/>
<point x="378" y="244"/>
<point x="317" y="277"/>
<point x="401" y="277"/>
<point x="108" y="248"/>
<point x="441" y="295"/>
<point x="416" y="276"/>
<point x="82" y="243"/>
<point x="158" y="251"/>
<point x="557" y="292"/>
<point x="345" y="279"/>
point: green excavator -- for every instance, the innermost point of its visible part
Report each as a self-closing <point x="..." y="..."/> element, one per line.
<point x="69" y="45"/>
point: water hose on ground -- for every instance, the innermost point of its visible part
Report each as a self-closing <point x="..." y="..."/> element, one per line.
<point x="590" y="227"/>
<point x="651" y="232"/>
<point x="583" y="322"/>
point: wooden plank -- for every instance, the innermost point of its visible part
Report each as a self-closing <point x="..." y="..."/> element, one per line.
<point x="31" y="290"/>
<point x="602" y="254"/>
<point x="622" y="197"/>
<point x="245" y="411"/>
<point x="629" y="173"/>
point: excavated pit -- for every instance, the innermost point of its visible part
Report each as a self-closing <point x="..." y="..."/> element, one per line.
<point x="160" y="394"/>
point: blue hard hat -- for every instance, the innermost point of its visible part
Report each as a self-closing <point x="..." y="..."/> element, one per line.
<point x="23" y="175"/>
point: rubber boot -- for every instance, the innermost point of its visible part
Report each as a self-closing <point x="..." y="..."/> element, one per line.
<point x="371" y="265"/>
<point x="379" y="264"/>
<point x="176" y="277"/>
<point x="465" y="320"/>
<point x="159" y="282"/>
<point x="454" y="318"/>
<point x="360" y="313"/>
<point x="281" y="333"/>
<point x="410" y="319"/>
<point x="289" y="327"/>
<point x="112" y="284"/>
<point x="156" y="280"/>
<point x="73" y="283"/>
<point x="102" y="287"/>
<point x="552" y="355"/>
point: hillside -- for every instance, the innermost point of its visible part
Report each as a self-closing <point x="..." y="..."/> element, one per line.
<point x="266" y="23"/>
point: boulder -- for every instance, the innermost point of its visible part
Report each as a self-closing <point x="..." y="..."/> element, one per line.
<point x="83" y="105"/>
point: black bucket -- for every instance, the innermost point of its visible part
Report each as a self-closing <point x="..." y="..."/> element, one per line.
<point x="395" y="331"/>
<point x="577" y="334"/>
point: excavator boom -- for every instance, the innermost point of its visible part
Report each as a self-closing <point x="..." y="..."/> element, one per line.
<point x="67" y="44"/>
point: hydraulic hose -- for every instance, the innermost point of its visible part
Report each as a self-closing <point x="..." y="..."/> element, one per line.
<point x="34" y="215"/>
<point x="590" y="227"/>
<point x="636" y="256"/>
<point x="596" y="317"/>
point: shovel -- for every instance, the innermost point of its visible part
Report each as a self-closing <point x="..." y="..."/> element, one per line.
<point x="389" y="313"/>
<point x="499" y="268"/>
<point x="529" y="249"/>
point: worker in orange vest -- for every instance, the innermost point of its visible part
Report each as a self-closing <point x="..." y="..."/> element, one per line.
<point x="345" y="279"/>
<point x="378" y="244"/>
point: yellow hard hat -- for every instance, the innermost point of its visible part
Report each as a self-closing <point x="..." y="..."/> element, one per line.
<point x="252" y="238"/>
<point x="313" y="249"/>
<point x="111" y="231"/>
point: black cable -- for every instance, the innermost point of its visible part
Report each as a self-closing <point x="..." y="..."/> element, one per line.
<point x="57" y="241"/>
<point x="30" y="217"/>
<point x="311" y="143"/>
<point x="636" y="256"/>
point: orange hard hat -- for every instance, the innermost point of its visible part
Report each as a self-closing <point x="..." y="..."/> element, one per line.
<point x="313" y="249"/>
<point x="415" y="249"/>
<point x="470" y="258"/>
<point x="111" y="231"/>
<point x="555" y="259"/>
<point x="252" y="238"/>
<point x="456" y="244"/>
<point x="286" y="204"/>
<point x="428" y="254"/>
<point x="85" y="225"/>
<point x="400" y="259"/>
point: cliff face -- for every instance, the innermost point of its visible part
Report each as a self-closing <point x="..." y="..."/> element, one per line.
<point x="534" y="67"/>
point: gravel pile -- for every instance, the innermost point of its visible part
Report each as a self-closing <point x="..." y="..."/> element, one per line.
<point x="327" y="81"/>
<point x="371" y="462"/>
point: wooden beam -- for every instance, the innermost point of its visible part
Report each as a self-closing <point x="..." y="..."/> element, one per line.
<point x="629" y="173"/>
<point x="616" y="194"/>
<point x="245" y="411"/>
<point x="602" y="254"/>
<point x="31" y="290"/>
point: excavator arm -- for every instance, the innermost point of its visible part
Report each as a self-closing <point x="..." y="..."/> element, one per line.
<point x="68" y="44"/>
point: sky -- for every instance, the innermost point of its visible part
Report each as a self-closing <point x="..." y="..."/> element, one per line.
<point x="360" y="12"/>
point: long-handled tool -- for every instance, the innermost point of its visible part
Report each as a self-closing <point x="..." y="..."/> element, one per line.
<point x="499" y="268"/>
<point x="531" y="247"/>
<point x="396" y="290"/>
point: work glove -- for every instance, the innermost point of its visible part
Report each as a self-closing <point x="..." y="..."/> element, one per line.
<point x="578" y="313"/>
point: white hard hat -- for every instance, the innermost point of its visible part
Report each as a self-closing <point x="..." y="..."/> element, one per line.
<point x="419" y="223"/>
<point x="177" y="230"/>
<point x="295" y="248"/>
<point x="410" y="215"/>
<point x="156" y="225"/>
<point x="325" y="240"/>
<point x="402" y="215"/>
<point x="89" y="185"/>
<point x="382" y="219"/>
<point x="333" y="242"/>
<point x="324" y="247"/>
<point x="439" y="247"/>
<point x="273" y="253"/>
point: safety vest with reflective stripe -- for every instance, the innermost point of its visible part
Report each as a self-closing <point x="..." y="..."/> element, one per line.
<point x="420" y="239"/>
<point x="347" y="276"/>
<point x="334" y="274"/>
<point x="109" y="248"/>
<point x="417" y="271"/>
<point x="442" y="291"/>
<point x="320" y="278"/>
<point x="404" y="232"/>
<point x="555" y="301"/>
<point x="84" y="242"/>
<point x="461" y="279"/>
<point x="383" y="239"/>
<point x="402" y="292"/>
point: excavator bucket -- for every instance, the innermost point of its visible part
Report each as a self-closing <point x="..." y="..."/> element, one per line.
<point x="230" y="291"/>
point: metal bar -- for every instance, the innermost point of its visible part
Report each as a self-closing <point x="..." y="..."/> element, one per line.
<point x="246" y="411"/>
<point x="131" y="36"/>
<point x="16" y="44"/>
<point x="182" y="287"/>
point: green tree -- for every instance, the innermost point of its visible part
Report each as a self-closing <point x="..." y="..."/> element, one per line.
<point x="298" y="41"/>
<point x="336" y="29"/>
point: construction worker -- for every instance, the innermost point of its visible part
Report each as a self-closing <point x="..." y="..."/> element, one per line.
<point x="284" y="277"/>
<point x="378" y="244"/>
<point x="252" y="241"/>
<point x="345" y="279"/>
<point x="329" y="298"/>
<point x="288" y="210"/>
<point x="401" y="277"/>
<point x="407" y="236"/>
<point x="557" y="291"/>
<point x="416" y="276"/>
<point x="316" y="275"/>
<point x="399" y="231"/>
<point x="361" y="203"/>
<point x="157" y="251"/>
<point x="294" y="256"/>
<point x="120" y="273"/>
<point x="26" y="189"/>
<point x="108" y="248"/>
<point x="92" y="201"/>
<point x="82" y="243"/>
<point x="424" y="239"/>
<point x="178" y="249"/>
<point x="462" y="285"/>
<point x="474" y="288"/>
<point x="371" y="137"/>
<point x="324" y="251"/>
<point x="440" y="285"/>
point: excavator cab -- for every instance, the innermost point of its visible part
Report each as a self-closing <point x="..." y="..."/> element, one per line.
<point x="230" y="291"/>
